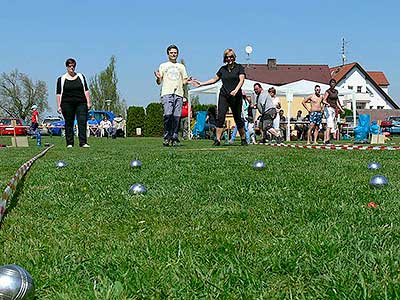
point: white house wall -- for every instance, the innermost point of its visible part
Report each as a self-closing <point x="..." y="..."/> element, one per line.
<point x="356" y="78"/>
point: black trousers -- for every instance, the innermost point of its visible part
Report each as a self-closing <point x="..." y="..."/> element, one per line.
<point x="235" y="103"/>
<point x="70" y="110"/>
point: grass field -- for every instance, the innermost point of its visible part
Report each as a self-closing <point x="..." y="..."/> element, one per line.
<point x="210" y="227"/>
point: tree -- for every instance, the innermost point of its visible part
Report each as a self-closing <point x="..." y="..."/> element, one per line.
<point x="104" y="87"/>
<point x="18" y="93"/>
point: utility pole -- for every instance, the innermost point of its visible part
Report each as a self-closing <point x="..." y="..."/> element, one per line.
<point x="343" y="51"/>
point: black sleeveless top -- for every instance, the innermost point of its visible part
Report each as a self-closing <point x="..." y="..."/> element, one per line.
<point x="332" y="97"/>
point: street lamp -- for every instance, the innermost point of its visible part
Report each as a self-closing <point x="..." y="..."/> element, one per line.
<point x="248" y="50"/>
<point x="108" y="103"/>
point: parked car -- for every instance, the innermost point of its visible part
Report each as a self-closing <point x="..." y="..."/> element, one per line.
<point x="7" y="129"/>
<point x="391" y="124"/>
<point x="47" y="123"/>
<point x="57" y="128"/>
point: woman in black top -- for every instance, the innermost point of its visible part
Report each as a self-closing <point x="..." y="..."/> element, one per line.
<point x="230" y="95"/>
<point x="73" y="100"/>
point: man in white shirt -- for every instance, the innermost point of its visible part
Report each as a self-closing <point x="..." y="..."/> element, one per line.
<point x="173" y="77"/>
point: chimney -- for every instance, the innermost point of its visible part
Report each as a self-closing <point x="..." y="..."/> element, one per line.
<point x="271" y="63"/>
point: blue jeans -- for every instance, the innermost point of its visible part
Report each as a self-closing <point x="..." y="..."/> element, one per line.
<point x="172" y="105"/>
<point x="246" y="130"/>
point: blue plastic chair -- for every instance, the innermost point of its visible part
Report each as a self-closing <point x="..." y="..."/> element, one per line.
<point x="198" y="130"/>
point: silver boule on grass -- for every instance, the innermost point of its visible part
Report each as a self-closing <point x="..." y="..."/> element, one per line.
<point x="259" y="165"/>
<point x="137" y="188"/>
<point x="61" y="164"/>
<point x="16" y="283"/>
<point x="378" y="181"/>
<point x="136" y="164"/>
<point x="374" y="166"/>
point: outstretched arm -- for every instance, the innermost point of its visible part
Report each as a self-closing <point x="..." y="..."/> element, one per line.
<point x="198" y="83"/>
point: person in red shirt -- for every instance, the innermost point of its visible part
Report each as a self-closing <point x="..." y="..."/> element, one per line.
<point x="184" y="118"/>
<point x="35" y="119"/>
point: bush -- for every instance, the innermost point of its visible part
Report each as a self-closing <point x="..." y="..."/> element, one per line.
<point x="136" y="117"/>
<point x="154" y="123"/>
<point x="347" y="112"/>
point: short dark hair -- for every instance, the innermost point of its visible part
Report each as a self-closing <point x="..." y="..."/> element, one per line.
<point x="317" y="85"/>
<point x="258" y="84"/>
<point x="332" y="80"/>
<point x="70" y="61"/>
<point x="272" y="90"/>
<point x="172" y="47"/>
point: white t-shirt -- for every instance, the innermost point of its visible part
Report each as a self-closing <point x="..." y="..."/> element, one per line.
<point x="276" y="101"/>
<point x="172" y="78"/>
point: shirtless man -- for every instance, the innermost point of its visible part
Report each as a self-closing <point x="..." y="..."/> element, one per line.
<point x="315" y="112"/>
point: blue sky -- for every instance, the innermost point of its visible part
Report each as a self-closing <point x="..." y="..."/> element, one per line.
<point x="38" y="36"/>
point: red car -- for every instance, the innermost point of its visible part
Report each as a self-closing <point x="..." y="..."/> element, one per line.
<point x="7" y="129"/>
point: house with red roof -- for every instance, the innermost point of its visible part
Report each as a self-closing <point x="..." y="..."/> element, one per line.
<point x="280" y="74"/>
<point x="370" y="87"/>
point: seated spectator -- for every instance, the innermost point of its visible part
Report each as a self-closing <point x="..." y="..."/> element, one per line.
<point x="282" y="124"/>
<point x="118" y="127"/>
<point x="105" y="127"/>
<point x="211" y="121"/>
<point x="93" y="126"/>
<point x="299" y="127"/>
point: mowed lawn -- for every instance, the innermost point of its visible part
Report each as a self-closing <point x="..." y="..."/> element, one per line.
<point x="210" y="226"/>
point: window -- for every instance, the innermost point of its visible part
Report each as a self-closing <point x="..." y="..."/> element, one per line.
<point x="360" y="106"/>
<point x="350" y="87"/>
<point x="359" y="89"/>
<point x="371" y="94"/>
<point x="379" y="107"/>
<point x="371" y="107"/>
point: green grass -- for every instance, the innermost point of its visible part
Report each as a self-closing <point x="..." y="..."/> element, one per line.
<point x="210" y="227"/>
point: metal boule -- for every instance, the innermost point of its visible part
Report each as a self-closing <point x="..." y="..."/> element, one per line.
<point x="16" y="283"/>
<point x="378" y="181"/>
<point x="259" y="165"/>
<point x="374" y="166"/>
<point x="61" y="164"/>
<point x="137" y="188"/>
<point x="137" y="164"/>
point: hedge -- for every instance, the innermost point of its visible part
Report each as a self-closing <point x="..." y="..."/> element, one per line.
<point x="135" y="119"/>
<point x="154" y="122"/>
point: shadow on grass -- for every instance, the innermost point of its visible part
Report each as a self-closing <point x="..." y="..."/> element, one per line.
<point x="12" y="203"/>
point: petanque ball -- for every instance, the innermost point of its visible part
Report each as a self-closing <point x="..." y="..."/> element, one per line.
<point x="378" y="181"/>
<point x="259" y="165"/>
<point x="374" y="166"/>
<point x="136" y="164"/>
<point x="16" y="283"/>
<point x="137" y="188"/>
<point x="61" y="164"/>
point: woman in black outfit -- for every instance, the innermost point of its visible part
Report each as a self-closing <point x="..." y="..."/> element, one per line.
<point x="73" y="100"/>
<point x="230" y="95"/>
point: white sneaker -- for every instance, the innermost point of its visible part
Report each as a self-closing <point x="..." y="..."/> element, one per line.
<point x="85" y="146"/>
<point x="69" y="146"/>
